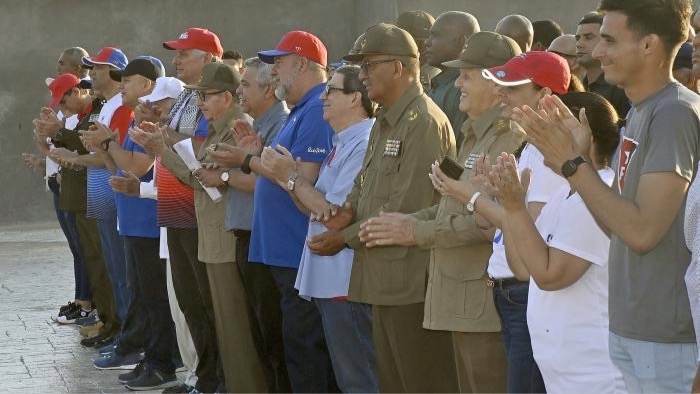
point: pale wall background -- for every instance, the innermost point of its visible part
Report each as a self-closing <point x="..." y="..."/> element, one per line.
<point x="33" y="33"/>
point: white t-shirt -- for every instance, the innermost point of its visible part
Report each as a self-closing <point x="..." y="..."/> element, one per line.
<point x="543" y="183"/>
<point x="569" y="327"/>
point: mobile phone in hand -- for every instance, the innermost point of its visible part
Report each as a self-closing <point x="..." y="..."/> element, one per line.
<point x="451" y="168"/>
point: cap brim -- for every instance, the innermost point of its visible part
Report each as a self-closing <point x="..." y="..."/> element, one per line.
<point x="269" y="56"/>
<point x="54" y="101"/>
<point x="461" y="64"/>
<point x="512" y="80"/>
<point x="230" y="87"/>
<point x="90" y="62"/>
<point x="354" y="58"/>
<point x="176" y="45"/>
<point x="116" y="75"/>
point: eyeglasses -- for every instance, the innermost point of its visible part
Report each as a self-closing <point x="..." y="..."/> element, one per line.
<point x="364" y="66"/>
<point x="330" y="89"/>
<point x="202" y="96"/>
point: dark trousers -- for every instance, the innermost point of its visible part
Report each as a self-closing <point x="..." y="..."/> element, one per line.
<point x="308" y="363"/>
<point x="481" y="362"/>
<point x="265" y="315"/>
<point x="191" y="285"/>
<point x="100" y="285"/>
<point x="143" y="254"/>
<point x="411" y="359"/>
<point x="523" y="374"/>
<point x="135" y="331"/>
<point x="115" y="261"/>
<point x="66" y="220"/>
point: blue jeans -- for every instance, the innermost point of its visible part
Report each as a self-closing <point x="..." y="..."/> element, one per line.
<point x="308" y="363"/>
<point x="653" y="367"/>
<point x="523" y="374"/>
<point x="66" y="220"/>
<point x="348" y="331"/>
<point x="113" y="254"/>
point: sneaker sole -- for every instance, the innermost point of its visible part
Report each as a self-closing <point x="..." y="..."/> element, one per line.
<point x="126" y="367"/>
<point x="161" y="386"/>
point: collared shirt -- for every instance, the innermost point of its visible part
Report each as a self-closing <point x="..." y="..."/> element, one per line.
<point x="329" y="276"/>
<point x="239" y="213"/>
<point x="446" y="96"/>
<point x="279" y="227"/>
<point x="405" y="140"/>
<point x="459" y="253"/>
<point x="612" y="93"/>
<point x="427" y="72"/>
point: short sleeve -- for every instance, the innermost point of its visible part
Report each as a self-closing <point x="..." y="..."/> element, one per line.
<point x="566" y="224"/>
<point x="313" y="140"/>
<point x="672" y="144"/>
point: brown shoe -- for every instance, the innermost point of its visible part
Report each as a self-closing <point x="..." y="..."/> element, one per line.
<point x="88" y="331"/>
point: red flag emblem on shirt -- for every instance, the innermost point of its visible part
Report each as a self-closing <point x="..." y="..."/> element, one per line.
<point x="627" y="148"/>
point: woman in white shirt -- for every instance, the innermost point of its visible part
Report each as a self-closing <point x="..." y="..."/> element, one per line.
<point x="566" y="254"/>
<point x="692" y="275"/>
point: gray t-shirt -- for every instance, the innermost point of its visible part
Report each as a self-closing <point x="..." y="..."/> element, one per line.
<point x="648" y="298"/>
<point x="239" y="211"/>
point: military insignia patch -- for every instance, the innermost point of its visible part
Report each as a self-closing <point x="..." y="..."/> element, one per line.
<point x="392" y="148"/>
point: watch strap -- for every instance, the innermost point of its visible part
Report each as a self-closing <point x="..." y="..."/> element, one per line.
<point x="245" y="167"/>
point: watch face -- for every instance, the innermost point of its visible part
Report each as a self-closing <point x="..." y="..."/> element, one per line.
<point x="568" y="168"/>
<point x="224" y="176"/>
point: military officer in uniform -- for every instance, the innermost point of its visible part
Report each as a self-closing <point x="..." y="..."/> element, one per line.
<point x="459" y="298"/>
<point x="418" y="24"/>
<point x="410" y="133"/>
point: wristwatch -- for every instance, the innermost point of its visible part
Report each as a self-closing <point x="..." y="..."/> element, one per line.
<point x="292" y="181"/>
<point x="470" y="204"/>
<point x="224" y="176"/>
<point x="570" y="166"/>
<point x="245" y="167"/>
<point x="105" y="144"/>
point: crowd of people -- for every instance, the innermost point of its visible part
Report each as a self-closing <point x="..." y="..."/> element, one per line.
<point x="444" y="209"/>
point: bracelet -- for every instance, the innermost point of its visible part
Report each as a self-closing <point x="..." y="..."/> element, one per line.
<point x="245" y="167"/>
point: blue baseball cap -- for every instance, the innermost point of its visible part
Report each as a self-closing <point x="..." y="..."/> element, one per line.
<point x="107" y="55"/>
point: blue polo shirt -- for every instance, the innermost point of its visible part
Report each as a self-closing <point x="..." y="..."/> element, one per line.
<point x="136" y="216"/>
<point x="279" y="228"/>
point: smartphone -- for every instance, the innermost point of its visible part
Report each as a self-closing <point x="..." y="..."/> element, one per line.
<point x="451" y="168"/>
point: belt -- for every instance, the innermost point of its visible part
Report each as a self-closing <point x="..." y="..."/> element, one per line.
<point x="241" y="233"/>
<point x="505" y="282"/>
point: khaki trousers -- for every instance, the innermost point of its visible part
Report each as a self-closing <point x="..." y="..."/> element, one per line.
<point x="411" y="359"/>
<point x="481" y="362"/>
<point x="239" y="358"/>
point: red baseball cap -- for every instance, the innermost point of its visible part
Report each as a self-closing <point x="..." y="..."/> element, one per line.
<point x="60" y="86"/>
<point x="300" y="43"/>
<point x="197" y="38"/>
<point x="545" y="69"/>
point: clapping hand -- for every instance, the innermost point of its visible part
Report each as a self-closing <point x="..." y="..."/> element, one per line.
<point x="508" y="187"/>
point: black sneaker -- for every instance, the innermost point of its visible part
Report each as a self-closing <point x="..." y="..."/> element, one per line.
<point x="70" y="306"/>
<point x="91" y="341"/>
<point x="152" y="379"/>
<point x="133" y="374"/>
<point x="180" y="388"/>
<point x="71" y="316"/>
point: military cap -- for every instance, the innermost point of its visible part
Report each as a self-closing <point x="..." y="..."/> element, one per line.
<point x="385" y="39"/>
<point x="219" y="76"/>
<point x="357" y="46"/>
<point x="416" y="23"/>
<point x="485" y="49"/>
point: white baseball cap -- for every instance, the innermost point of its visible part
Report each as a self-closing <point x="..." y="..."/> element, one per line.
<point x="166" y="87"/>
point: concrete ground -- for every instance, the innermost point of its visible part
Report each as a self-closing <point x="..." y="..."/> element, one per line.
<point x="36" y="354"/>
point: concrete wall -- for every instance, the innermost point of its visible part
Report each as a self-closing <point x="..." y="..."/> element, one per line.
<point x="35" y="31"/>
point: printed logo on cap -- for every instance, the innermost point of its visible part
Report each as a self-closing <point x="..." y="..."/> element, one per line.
<point x="184" y="36"/>
<point x="500" y="74"/>
<point x="298" y="48"/>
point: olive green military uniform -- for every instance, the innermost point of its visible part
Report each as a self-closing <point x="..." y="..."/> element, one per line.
<point x="417" y="24"/>
<point x="458" y="297"/>
<point x="217" y="249"/>
<point x="427" y="73"/>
